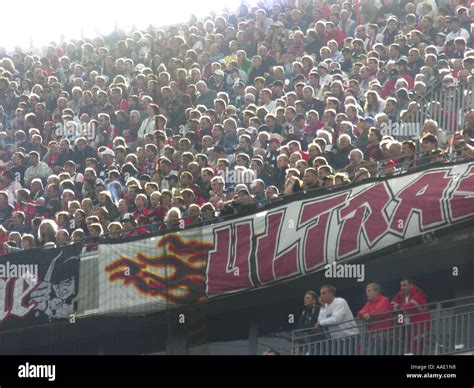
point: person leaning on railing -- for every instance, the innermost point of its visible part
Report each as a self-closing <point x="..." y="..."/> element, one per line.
<point x="308" y="320"/>
<point x="335" y="315"/>
<point x="377" y="312"/>
<point x="411" y="301"/>
<point x="242" y="203"/>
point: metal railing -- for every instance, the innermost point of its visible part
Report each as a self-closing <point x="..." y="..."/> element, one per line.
<point x="446" y="104"/>
<point x="442" y="328"/>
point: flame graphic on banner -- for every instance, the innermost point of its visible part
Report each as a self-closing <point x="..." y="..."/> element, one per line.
<point x="175" y="274"/>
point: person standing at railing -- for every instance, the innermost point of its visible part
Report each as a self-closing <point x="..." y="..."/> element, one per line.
<point x="336" y="317"/>
<point x="377" y="312"/>
<point x="411" y="302"/>
<point x="308" y="319"/>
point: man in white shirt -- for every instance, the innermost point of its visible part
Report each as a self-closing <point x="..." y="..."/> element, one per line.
<point x="10" y="185"/>
<point x="70" y="167"/>
<point x="166" y="171"/>
<point x="335" y="315"/>
<point x="325" y="77"/>
<point x="37" y="169"/>
<point x="456" y="31"/>
<point x="148" y="125"/>
<point x="373" y="37"/>
<point x="266" y="101"/>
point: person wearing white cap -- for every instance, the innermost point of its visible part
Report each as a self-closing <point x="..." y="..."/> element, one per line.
<point x="324" y="77"/>
<point x="249" y="99"/>
<point x="216" y="82"/>
<point x="253" y="133"/>
<point x="108" y="152"/>
<point x="206" y="96"/>
<point x="108" y="158"/>
<point x="258" y="190"/>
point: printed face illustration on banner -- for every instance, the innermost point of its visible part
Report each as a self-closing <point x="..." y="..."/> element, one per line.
<point x="45" y="293"/>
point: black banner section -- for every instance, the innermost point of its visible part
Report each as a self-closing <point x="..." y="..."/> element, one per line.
<point x="38" y="286"/>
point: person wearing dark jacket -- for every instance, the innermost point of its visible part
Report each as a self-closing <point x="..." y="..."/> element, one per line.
<point x="279" y="175"/>
<point x="310" y="313"/>
<point x="65" y="153"/>
<point x="308" y="319"/>
<point x="257" y="69"/>
<point x="257" y="166"/>
<point x="243" y="203"/>
<point x="344" y="147"/>
<point x="82" y="153"/>
<point x="6" y="209"/>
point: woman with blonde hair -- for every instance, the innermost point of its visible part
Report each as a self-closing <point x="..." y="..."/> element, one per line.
<point x="374" y="104"/>
<point x="47" y="233"/>
<point x="28" y="241"/>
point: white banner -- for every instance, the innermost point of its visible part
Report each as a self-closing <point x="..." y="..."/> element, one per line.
<point x="283" y="242"/>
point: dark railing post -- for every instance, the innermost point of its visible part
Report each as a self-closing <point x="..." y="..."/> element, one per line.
<point x="437" y="320"/>
<point x="292" y="351"/>
<point x="253" y="336"/>
<point x="362" y="337"/>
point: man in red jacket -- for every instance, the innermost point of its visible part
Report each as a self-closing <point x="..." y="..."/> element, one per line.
<point x="413" y="312"/>
<point x="377" y="312"/>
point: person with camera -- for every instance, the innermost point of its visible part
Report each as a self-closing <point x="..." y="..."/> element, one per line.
<point x="243" y="203"/>
<point x="293" y="185"/>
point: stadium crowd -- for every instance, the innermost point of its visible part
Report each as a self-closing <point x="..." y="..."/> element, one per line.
<point x="127" y="134"/>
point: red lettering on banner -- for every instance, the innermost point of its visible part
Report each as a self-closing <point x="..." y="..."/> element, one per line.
<point x="364" y="213"/>
<point x="315" y="240"/>
<point x="4" y="305"/>
<point x="374" y="214"/>
<point x="423" y="197"/>
<point x="462" y="200"/>
<point x="229" y="263"/>
<point x="271" y="265"/>
<point x="20" y="292"/>
<point x="13" y="294"/>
